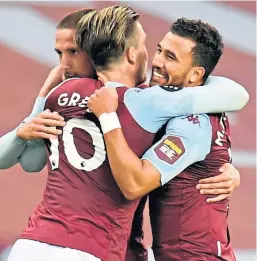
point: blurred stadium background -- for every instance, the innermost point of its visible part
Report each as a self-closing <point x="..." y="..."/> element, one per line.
<point x="27" y="31"/>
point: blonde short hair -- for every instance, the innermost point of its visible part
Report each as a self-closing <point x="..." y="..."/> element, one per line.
<point x="106" y="34"/>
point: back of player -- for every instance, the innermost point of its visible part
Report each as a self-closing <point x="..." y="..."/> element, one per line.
<point x="185" y="226"/>
<point x="82" y="206"/>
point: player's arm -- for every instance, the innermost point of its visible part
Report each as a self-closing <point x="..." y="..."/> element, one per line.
<point x="219" y="94"/>
<point x="34" y="156"/>
<point x="15" y="146"/>
<point x="222" y="95"/>
<point x="184" y="144"/>
<point x="23" y="144"/>
<point x="12" y="145"/>
<point x="11" y="149"/>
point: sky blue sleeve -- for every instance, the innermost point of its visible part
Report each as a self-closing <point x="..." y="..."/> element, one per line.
<point x="37" y="108"/>
<point x="34" y="156"/>
<point x="154" y="106"/>
<point x="12" y="147"/>
<point x="187" y="140"/>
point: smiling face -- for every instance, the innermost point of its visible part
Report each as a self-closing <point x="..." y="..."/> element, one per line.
<point x="172" y="62"/>
<point x="75" y="62"/>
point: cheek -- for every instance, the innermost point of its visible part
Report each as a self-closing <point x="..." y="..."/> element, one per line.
<point x="171" y="68"/>
<point x="146" y="54"/>
<point x="85" y="67"/>
<point x="80" y="64"/>
<point x="174" y="68"/>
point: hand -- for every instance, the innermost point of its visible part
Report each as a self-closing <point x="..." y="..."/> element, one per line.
<point x="222" y="185"/>
<point x="42" y="126"/>
<point x="54" y="78"/>
<point x="103" y="100"/>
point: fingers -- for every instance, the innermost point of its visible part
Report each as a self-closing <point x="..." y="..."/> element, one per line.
<point x="48" y="122"/>
<point x="44" y="125"/>
<point x="43" y="135"/>
<point x="216" y="179"/>
<point x="47" y="114"/>
<point x="225" y="185"/>
<point x="45" y="129"/>
<point x="45" y="122"/>
<point x="215" y="191"/>
<point x="218" y="198"/>
<point x="93" y="98"/>
<point x="98" y="92"/>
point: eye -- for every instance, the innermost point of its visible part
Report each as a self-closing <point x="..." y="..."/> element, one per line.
<point x="170" y="57"/>
<point x="73" y="51"/>
<point x="159" y="50"/>
<point x="59" y="53"/>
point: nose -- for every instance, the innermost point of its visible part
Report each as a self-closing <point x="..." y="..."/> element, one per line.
<point x="65" y="62"/>
<point x="158" y="61"/>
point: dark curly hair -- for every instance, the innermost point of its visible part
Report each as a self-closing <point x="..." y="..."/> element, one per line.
<point x="209" y="46"/>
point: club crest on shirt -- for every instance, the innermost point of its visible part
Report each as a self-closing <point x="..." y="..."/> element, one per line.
<point x="170" y="149"/>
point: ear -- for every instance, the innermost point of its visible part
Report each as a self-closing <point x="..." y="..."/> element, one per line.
<point x="196" y="74"/>
<point x="131" y="55"/>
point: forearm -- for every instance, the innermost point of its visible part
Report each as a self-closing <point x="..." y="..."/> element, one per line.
<point x="37" y="108"/>
<point x="127" y="169"/>
<point x="11" y="147"/>
<point x="220" y="95"/>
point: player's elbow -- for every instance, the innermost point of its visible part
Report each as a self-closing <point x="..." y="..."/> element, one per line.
<point x="240" y="96"/>
<point x="31" y="168"/>
<point x="34" y="157"/>
<point x="133" y="192"/>
<point x="243" y="98"/>
<point x="132" y="195"/>
<point x="31" y="165"/>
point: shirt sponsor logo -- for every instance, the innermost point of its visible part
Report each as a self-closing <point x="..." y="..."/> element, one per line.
<point x="170" y="149"/>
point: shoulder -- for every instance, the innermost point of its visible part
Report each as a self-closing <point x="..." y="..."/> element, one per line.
<point x="192" y="125"/>
<point x="80" y="84"/>
<point x="75" y="84"/>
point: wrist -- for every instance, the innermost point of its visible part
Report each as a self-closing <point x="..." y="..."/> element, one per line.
<point x="19" y="133"/>
<point x="109" y="121"/>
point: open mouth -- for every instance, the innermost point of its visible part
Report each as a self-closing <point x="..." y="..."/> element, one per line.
<point x="70" y="75"/>
<point x="158" y="77"/>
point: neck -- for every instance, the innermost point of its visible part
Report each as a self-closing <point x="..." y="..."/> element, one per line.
<point x="119" y="74"/>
